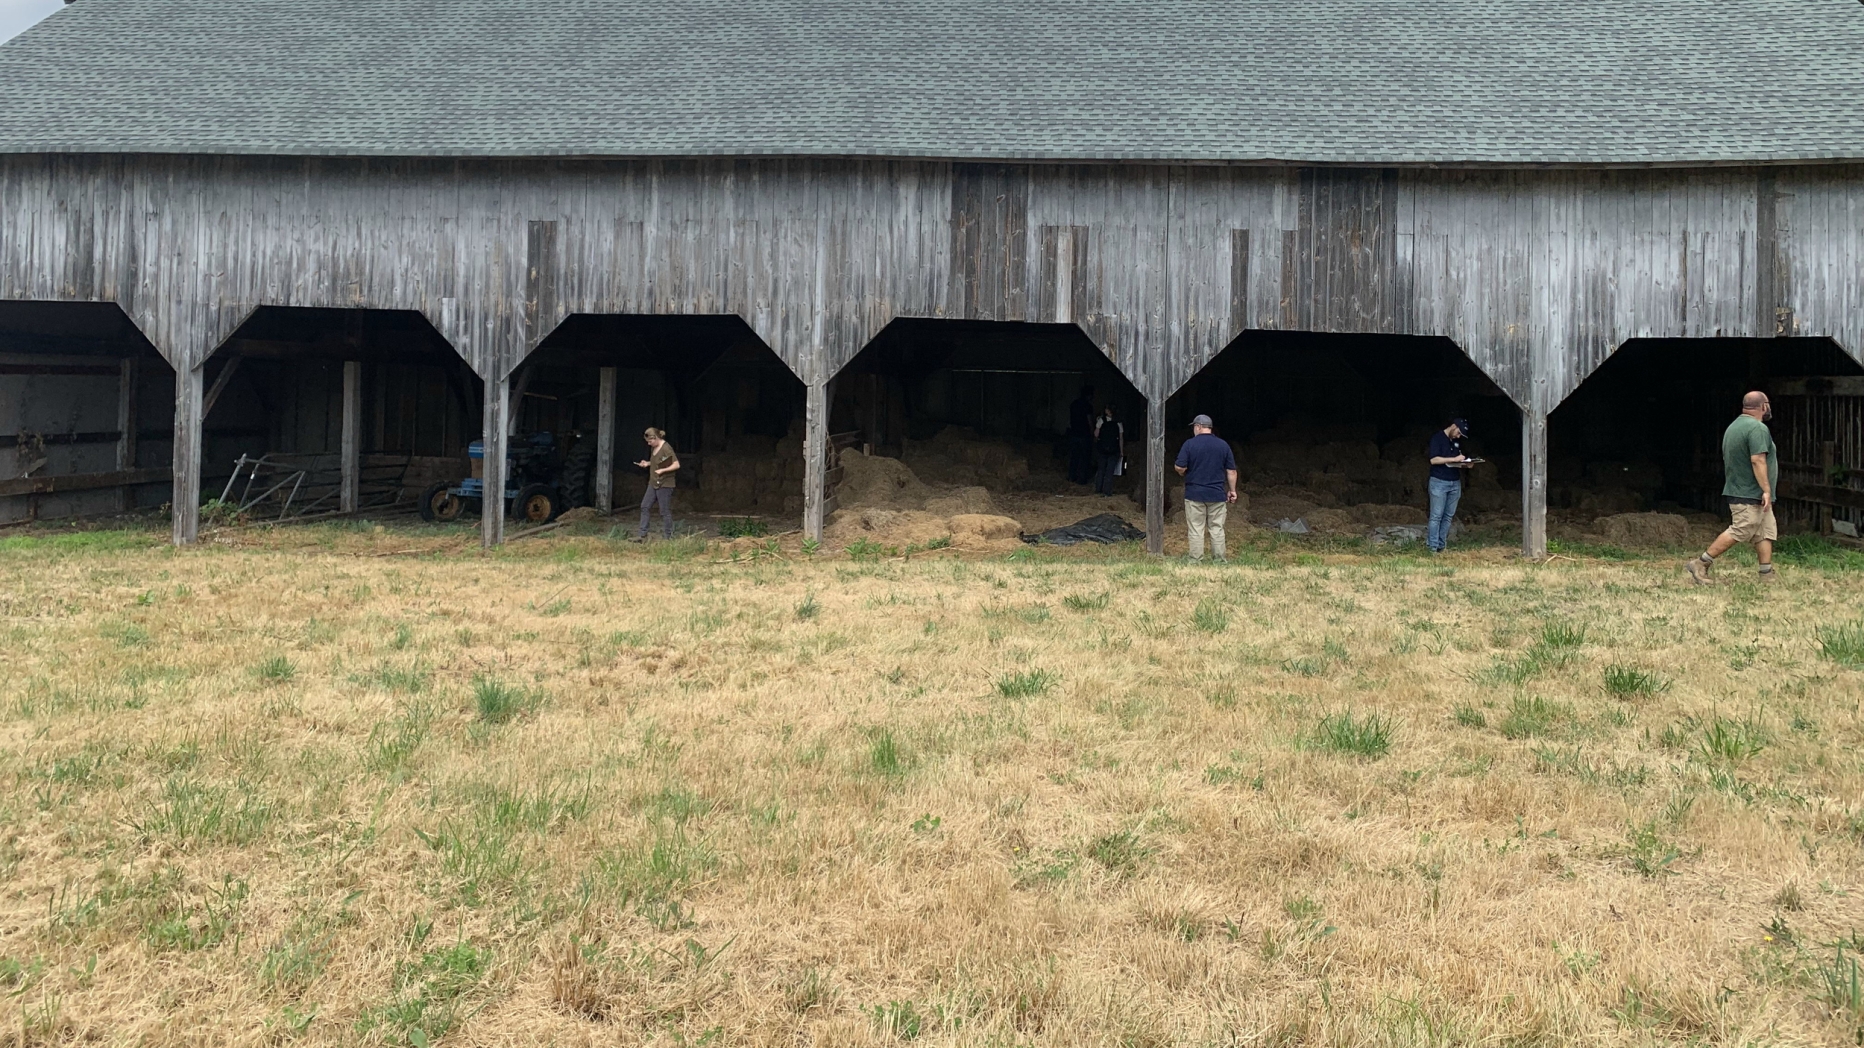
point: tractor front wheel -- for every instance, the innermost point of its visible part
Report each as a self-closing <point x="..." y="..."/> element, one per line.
<point x="440" y="505"/>
<point x="536" y="504"/>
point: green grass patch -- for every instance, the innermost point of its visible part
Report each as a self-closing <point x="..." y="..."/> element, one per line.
<point x="275" y="670"/>
<point x="1369" y="736"/>
<point x="498" y="702"/>
<point x="1027" y="684"/>
<point x="1843" y="643"/>
<point x="1629" y="682"/>
<point x="742" y="528"/>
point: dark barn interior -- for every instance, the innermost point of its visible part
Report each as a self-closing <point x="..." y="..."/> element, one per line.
<point x="1643" y="433"/>
<point x="274" y="410"/>
<point x="86" y="412"/>
<point x="982" y="403"/>
<point x="728" y="405"/>
<point x="1332" y="430"/>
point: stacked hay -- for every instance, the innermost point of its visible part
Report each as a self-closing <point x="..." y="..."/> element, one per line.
<point x="754" y="474"/>
<point x="959" y="457"/>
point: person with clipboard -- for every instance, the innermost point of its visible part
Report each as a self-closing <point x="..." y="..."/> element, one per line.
<point x="1447" y="466"/>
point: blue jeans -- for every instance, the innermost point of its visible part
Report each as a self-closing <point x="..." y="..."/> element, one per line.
<point x="1444" y="495"/>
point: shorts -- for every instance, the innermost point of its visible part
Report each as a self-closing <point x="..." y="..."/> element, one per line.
<point x="1752" y="523"/>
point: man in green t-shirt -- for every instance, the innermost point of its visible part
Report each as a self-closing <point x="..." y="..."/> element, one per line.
<point x="1751" y="467"/>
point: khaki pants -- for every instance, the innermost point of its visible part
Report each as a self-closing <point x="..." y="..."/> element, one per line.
<point x="1201" y="517"/>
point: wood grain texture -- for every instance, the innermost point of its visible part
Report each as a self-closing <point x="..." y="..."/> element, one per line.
<point x="1537" y="275"/>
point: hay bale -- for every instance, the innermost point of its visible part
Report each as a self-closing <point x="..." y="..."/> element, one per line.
<point x="984" y="531"/>
<point x="888" y="527"/>
<point x="579" y="515"/>
<point x="1645" y="529"/>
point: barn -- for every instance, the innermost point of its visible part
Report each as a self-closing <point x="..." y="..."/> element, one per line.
<point x="323" y="245"/>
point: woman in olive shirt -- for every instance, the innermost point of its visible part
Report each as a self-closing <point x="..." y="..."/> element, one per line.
<point x="661" y="463"/>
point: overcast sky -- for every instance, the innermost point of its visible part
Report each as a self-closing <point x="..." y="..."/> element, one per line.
<point x="16" y="15"/>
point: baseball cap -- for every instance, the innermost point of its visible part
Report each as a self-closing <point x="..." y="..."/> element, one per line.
<point x="1462" y="424"/>
<point x="1203" y="420"/>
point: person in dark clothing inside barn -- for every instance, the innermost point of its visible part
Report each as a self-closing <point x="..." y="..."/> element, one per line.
<point x="661" y="463"/>
<point x="1447" y="466"/>
<point x="1208" y="467"/>
<point x="1109" y="449"/>
<point x="1081" y="437"/>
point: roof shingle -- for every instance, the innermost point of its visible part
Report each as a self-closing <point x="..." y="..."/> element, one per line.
<point x="1319" y="81"/>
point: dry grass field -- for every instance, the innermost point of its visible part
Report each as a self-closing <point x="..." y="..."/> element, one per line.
<point x="350" y="786"/>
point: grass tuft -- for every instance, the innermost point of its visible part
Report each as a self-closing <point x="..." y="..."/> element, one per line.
<point x="500" y="703"/>
<point x="1629" y="682"/>
<point x="1843" y="643"/>
<point x="1369" y="736"/>
<point x="275" y="670"/>
<point x="1027" y="684"/>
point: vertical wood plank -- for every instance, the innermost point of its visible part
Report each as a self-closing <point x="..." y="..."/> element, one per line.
<point x="815" y="459"/>
<point x="128" y="373"/>
<point x="350" y="466"/>
<point x="1534" y="484"/>
<point x="497" y="414"/>
<point x="1155" y="475"/>
<point x="185" y="502"/>
<point x="605" y="443"/>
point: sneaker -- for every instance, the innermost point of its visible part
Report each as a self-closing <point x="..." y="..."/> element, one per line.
<point x="1768" y="578"/>
<point x="1698" y="571"/>
<point x="637" y="538"/>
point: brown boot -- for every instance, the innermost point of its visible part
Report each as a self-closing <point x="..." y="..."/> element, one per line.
<point x="1698" y="571"/>
<point x="1768" y="578"/>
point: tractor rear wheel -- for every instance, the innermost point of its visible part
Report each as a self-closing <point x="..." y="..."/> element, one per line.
<point x="578" y="468"/>
<point x="536" y="504"/>
<point x="440" y="505"/>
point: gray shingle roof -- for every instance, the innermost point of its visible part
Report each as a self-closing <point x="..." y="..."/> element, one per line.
<point x="1349" y="81"/>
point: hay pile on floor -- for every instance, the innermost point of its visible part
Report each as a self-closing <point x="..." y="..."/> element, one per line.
<point x="1645" y="529"/>
<point x="886" y="500"/>
<point x="958" y="456"/>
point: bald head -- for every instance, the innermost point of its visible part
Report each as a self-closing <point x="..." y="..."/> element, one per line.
<point x="1755" y="404"/>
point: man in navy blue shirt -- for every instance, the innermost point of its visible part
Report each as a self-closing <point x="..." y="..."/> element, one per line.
<point x="1209" y="471"/>
<point x="1447" y="463"/>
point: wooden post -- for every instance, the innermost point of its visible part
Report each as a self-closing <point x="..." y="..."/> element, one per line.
<point x="1828" y="456"/>
<point x="605" y="443"/>
<point x="815" y="458"/>
<point x="352" y="437"/>
<point x="497" y="419"/>
<point x="127" y="375"/>
<point x="1155" y="476"/>
<point x="185" y="502"/>
<point x="1534" y="484"/>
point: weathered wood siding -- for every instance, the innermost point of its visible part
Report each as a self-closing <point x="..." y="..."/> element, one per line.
<point x="1534" y="273"/>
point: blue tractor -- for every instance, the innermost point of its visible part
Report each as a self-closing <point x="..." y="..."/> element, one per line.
<point x="533" y="490"/>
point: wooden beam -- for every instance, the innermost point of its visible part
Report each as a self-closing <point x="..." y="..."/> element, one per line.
<point x="185" y="502"/>
<point x="128" y="374"/>
<point x="1534" y="485"/>
<point x="1155" y="475"/>
<point x="351" y="447"/>
<point x="497" y="419"/>
<point x="63" y="482"/>
<point x="59" y="369"/>
<point x="1823" y="494"/>
<point x="605" y="442"/>
<point x="220" y="384"/>
<point x="815" y="458"/>
<point x="1817" y="385"/>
